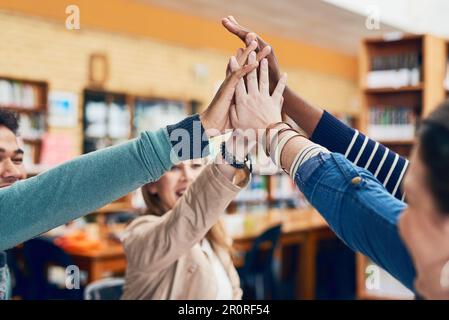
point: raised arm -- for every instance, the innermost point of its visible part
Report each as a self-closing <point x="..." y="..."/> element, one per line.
<point x="324" y="129"/>
<point x="356" y="206"/>
<point x="31" y="207"/>
<point x="154" y="243"/>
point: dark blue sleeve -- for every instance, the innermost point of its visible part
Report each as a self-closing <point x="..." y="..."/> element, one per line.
<point x="188" y="138"/>
<point x="387" y="166"/>
<point x="359" y="210"/>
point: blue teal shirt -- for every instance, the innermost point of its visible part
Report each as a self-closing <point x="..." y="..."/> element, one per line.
<point x="36" y="205"/>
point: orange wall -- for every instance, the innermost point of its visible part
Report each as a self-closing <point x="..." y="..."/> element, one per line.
<point x="132" y="17"/>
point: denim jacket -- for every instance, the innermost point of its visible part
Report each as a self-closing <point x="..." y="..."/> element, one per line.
<point x="359" y="210"/>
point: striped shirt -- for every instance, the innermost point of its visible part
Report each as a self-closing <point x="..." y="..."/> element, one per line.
<point x="387" y="166"/>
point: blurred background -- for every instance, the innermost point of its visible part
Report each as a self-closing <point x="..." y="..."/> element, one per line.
<point x="84" y="75"/>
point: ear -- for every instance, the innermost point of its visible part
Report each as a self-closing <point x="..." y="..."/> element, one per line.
<point x="151" y="188"/>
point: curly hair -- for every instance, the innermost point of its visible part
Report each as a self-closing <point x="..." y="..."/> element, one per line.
<point x="9" y="120"/>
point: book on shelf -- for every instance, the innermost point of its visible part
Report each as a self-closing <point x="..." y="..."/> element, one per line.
<point x="19" y="95"/>
<point x="151" y="114"/>
<point x="395" y="70"/>
<point x="31" y="126"/>
<point x="283" y="187"/>
<point x="391" y="123"/>
<point x="257" y="190"/>
<point x="106" y="124"/>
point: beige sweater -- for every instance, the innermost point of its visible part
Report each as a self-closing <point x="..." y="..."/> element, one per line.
<point x="165" y="259"/>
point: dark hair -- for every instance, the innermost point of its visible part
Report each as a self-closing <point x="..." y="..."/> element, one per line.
<point x="9" y="120"/>
<point x="434" y="151"/>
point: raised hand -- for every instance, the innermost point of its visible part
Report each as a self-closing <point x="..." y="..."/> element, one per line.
<point x="215" y="119"/>
<point x="254" y="107"/>
<point x="263" y="49"/>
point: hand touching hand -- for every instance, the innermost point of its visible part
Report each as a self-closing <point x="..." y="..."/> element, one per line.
<point x="215" y="119"/>
<point x="263" y="49"/>
<point x="255" y="108"/>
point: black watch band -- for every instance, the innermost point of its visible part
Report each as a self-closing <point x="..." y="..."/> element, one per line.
<point x="229" y="158"/>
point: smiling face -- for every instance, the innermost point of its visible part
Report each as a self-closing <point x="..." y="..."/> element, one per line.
<point x="11" y="158"/>
<point x="174" y="183"/>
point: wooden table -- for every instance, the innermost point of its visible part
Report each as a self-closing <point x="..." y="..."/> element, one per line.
<point x="302" y="227"/>
<point x="110" y="258"/>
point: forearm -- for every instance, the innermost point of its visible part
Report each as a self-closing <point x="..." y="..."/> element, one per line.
<point x="356" y="206"/>
<point x="303" y="113"/>
<point x="184" y="226"/>
<point x="387" y="166"/>
<point x="80" y="186"/>
<point x="359" y="210"/>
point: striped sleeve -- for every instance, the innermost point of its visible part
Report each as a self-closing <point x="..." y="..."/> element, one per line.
<point x="387" y="166"/>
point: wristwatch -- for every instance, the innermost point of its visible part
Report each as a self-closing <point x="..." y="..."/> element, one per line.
<point x="230" y="159"/>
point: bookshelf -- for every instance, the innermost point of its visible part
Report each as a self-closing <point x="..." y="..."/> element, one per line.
<point x="28" y="99"/>
<point x="401" y="81"/>
<point x="110" y="118"/>
<point x="106" y="119"/>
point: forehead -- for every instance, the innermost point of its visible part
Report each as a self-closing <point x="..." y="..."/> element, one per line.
<point x="8" y="140"/>
<point x="200" y="161"/>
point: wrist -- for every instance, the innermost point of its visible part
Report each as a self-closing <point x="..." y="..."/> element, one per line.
<point x="237" y="146"/>
<point x="211" y="128"/>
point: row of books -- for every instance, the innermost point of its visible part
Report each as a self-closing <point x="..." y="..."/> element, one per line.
<point x="395" y="70"/>
<point x="282" y="187"/>
<point x="31" y="126"/>
<point x="109" y="123"/>
<point x="20" y="95"/>
<point x="107" y="120"/>
<point x="155" y="114"/>
<point x="396" y="123"/>
<point x="257" y="190"/>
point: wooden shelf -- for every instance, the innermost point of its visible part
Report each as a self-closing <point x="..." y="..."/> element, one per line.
<point x="32" y="141"/>
<point x="422" y="99"/>
<point x="394" y="90"/>
<point x="35" y="109"/>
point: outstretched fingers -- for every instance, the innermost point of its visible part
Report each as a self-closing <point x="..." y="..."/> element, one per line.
<point x="246" y="52"/>
<point x="264" y="83"/>
<point x="251" y="78"/>
<point x="237" y="75"/>
<point x="279" y="90"/>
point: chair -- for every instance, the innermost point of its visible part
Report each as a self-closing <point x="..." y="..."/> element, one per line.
<point x="105" y="289"/>
<point x="257" y="275"/>
<point x="39" y="254"/>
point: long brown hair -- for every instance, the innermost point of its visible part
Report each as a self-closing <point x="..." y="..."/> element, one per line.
<point x="216" y="235"/>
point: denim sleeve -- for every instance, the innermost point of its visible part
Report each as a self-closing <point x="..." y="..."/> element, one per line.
<point x="359" y="210"/>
